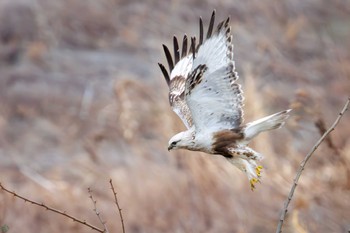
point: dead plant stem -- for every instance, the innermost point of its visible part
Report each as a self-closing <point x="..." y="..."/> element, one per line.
<point x="303" y="163"/>
<point x="63" y="213"/>
<point x="117" y="203"/>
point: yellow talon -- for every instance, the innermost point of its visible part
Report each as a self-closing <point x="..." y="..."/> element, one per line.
<point x="258" y="170"/>
<point x="253" y="181"/>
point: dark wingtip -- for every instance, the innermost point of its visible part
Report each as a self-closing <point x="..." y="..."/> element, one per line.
<point x="211" y="24"/>
<point x="201" y="32"/>
<point x="193" y="47"/>
<point x="184" y="47"/>
<point x="168" y="57"/>
<point x="227" y="21"/>
<point x="176" y="50"/>
<point x="165" y="73"/>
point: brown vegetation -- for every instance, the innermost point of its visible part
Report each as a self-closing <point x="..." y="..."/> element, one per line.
<point x="82" y="101"/>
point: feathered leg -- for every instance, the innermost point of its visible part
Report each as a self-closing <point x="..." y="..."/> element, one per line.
<point x="245" y="158"/>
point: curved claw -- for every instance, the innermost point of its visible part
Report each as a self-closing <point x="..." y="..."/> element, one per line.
<point x="253" y="181"/>
<point x="258" y="170"/>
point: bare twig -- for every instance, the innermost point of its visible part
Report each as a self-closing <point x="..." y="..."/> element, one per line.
<point x="303" y="163"/>
<point x="98" y="214"/>
<point x="63" y="213"/>
<point x="117" y="203"/>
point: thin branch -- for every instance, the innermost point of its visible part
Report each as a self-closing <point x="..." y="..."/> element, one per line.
<point x="98" y="214"/>
<point x="303" y="163"/>
<point x="117" y="203"/>
<point x="63" y="213"/>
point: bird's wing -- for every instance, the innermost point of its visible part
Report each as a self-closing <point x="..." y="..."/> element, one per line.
<point x="213" y="97"/>
<point x="179" y="70"/>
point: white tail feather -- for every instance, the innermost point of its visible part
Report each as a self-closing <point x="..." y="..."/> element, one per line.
<point x="274" y="121"/>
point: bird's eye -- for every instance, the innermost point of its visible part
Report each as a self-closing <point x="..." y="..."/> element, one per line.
<point x="173" y="143"/>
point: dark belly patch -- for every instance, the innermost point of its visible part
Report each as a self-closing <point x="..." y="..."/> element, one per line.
<point x="224" y="140"/>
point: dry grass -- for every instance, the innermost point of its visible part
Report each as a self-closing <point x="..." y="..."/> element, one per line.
<point x="82" y="101"/>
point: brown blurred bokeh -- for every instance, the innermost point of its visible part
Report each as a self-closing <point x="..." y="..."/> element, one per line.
<point x="82" y="100"/>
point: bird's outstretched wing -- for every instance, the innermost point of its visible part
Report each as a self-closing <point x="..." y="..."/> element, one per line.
<point x="179" y="70"/>
<point x="213" y="97"/>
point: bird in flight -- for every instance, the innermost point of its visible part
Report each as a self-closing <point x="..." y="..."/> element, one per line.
<point x="203" y="92"/>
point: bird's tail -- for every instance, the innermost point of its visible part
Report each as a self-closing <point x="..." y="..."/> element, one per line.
<point x="274" y="121"/>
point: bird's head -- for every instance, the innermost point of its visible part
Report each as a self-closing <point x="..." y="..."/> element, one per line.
<point x="180" y="140"/>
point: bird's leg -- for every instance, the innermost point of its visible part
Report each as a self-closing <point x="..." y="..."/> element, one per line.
<point x="257" y="170"/>
<point x="250" y="168"/>
<point x="247" y="153"/>
<point x="255" y="180"/>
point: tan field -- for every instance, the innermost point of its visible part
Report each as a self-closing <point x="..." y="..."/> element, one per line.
<point x="82" y="101"/>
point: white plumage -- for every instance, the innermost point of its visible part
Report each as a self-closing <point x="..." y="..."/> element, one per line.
<point x="203" y="93"/>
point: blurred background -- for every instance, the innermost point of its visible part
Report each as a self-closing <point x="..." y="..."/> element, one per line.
<point x="82" y="100"/>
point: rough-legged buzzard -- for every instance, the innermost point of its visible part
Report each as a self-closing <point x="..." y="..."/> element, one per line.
<point x="203" y="93"/>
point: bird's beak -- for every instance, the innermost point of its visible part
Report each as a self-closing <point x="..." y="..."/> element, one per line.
<point x="169" y="148"/>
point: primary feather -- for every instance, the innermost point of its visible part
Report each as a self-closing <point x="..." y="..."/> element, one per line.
<point x="213" y="97"/>
<point x="179" y="70"/>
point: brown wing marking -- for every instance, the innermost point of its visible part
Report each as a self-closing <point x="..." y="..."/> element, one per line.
<point x="177" y="89"/>
<point x="172" y="62"/>
<point x="195" y="78"/>
<point x="177" y="101"/>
